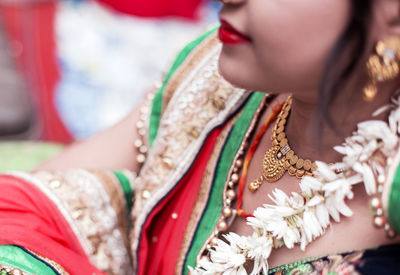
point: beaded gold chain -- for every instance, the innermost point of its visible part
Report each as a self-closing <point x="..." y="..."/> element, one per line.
<point x="280" y="157"/>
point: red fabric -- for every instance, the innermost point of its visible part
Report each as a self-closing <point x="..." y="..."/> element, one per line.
<point x="29" y="219"/>
<point x="32" y="26"/>
<point x="155" y="8"/>
<point x="162" y="234"/>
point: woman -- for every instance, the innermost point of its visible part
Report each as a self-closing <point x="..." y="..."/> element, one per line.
<point x="206" y="198"/>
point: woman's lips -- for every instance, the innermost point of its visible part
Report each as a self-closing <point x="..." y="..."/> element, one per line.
<point x="229" y="35"/>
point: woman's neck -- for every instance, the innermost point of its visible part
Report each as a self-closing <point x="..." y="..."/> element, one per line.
<point x="348" y="109"/>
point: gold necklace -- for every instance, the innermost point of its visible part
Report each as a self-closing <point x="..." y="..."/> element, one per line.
<point x="280" y="157"/>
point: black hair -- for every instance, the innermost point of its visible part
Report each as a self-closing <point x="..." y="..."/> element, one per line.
<point x="337" y="73"/>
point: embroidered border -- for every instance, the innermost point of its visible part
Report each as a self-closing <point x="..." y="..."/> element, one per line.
<point x="85" y="204"/>
<point x="51" y="263"/>
<point x="162" y="97"/>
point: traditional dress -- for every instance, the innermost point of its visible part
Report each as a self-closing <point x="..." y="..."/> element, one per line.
<point x="76" y="221"/>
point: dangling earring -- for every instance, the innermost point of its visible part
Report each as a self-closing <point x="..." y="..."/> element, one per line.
<point x="382" y="66"/>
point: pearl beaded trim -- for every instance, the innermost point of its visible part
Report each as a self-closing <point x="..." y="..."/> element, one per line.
<point x="228" y="213"/>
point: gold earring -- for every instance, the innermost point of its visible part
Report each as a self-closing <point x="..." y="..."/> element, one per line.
<point x="382" y="66"/>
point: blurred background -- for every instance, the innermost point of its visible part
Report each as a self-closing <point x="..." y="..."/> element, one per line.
<point x="71" y="68"/>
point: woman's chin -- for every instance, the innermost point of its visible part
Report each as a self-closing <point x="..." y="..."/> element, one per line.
<point x="233" y="74"/>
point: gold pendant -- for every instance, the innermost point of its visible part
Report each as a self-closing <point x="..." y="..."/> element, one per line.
<point x="273" y="165"/>
<point x="255" y="184"/>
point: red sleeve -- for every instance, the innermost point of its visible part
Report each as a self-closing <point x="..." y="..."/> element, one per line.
<point x="29" y="219"/>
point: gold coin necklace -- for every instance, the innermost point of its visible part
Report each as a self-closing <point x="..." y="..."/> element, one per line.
<point x="280" y="158"/>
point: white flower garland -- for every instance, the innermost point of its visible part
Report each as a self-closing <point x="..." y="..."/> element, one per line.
<point x="301" y="218"/>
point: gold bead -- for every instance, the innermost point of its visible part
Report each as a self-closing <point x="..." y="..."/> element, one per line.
<point x="314" y="167"/>
<point x="370" y="91"/>
<point x="142" y="132"/>
<point x="194" y="132"/>
<point x="299" y="163"/>
<point x="146" y="194"/>
<point x="307" y="164"/>
<point x="222" y="226"/>
<point x="300" y="173"/>
<point x="138" y="143"/>
<point x="219" y="104"/>
<point x="227" y="212"/>
<point x="379" y="221"/>
<point x="76" y="215"/>
<point x="390" y="233"/>
<point x="168" y="163"/>
<point x="375" y="203"/>
<point x="239" y="163"/>
<point x="139" y="124"/>
<point x="282" y="122"/>
<point x="140" y="158"/>
<point x="286" y="164"/>
<point x="143" y="149"/>
<point x="230" y="194"/>
<point x="283" y="142"/>
<point x="253" y="186"/>
<point x="293" y="160"/>
<point x="280" y="129"/>
<point x="281" y="136"/>
<point x="289" y="154"/>
<point x="309" y="174"/>
<point x="235" y="178"/>
<point x="292" y="171"/>
<point x="55" y="183"/>
<point x="214" y="241"/>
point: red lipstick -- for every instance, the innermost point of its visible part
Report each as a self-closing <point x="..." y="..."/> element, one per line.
<point x="230" y="36"/>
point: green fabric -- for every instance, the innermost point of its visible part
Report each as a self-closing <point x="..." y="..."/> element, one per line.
<point x="296" y="267"/>
<point x="214" y="206"/>
<point x="127" y="188"/>
<point x="14" y="256"/>
<point x="394" y="202"/>
<point x="25" y="156"/>
<point x="157" y="101"/>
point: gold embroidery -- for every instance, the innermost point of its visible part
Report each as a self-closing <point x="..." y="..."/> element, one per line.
<point x="183" y="71"/>
<point x="117" y="200"/>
